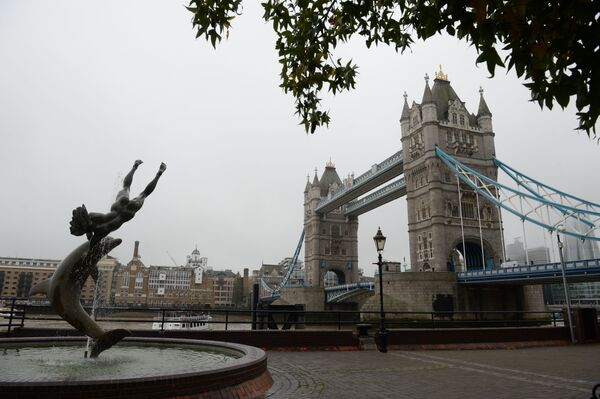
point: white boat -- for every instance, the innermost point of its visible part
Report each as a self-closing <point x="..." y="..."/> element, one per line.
<point x="184" y="322"/>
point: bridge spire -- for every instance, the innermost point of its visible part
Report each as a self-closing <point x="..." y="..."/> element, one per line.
<point x="483" y="108"/>
<point x="427" y="96"/>
<point x="484" y="116"/>
<point x="307" y="187"/>
<point x="405" y="109"/>
<point x="316" y="179"/>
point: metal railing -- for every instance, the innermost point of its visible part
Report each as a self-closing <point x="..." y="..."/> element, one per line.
<point x="14" y="317"/>
<point x="590" y="266"/>
<point x="337" y="291"/>
<point x="30" y="315"/>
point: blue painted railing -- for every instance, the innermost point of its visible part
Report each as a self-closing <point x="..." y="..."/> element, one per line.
<point x="531" y="272"/>
<point x="333" y="293"/>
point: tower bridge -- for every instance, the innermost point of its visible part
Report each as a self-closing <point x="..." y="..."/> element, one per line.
<point x="448" y="172"/>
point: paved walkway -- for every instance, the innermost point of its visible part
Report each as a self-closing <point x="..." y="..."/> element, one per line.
<point x="550" y="372"/>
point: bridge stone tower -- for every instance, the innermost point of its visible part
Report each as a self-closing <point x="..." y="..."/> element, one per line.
<point x="436" y="234"/>
<point x="331" y="239"/>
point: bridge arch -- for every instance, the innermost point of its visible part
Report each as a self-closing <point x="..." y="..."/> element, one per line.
<point x="333" y="277"/>
<point x="471" y="257"/>
<point x="343" y="274"/>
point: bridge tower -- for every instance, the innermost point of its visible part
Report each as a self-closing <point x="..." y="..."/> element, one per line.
<point x="438" y="222"/>
<point x="330" y="241"/>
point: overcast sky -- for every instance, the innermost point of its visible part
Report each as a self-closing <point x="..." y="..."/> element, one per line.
<point x="87" y="87"/>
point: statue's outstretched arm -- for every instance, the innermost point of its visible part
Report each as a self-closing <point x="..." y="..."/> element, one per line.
<point x="129" y="177"/>
<point x="152" y="185"/>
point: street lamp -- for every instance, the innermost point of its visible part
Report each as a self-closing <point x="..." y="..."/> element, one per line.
<point x="379" y="244"/>
<point x="565" y="287"/>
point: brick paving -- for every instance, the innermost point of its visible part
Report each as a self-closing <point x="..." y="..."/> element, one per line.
<point x="546" y="372"/>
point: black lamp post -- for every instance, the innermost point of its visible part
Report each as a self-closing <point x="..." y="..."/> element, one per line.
<point x="379" y="244"/>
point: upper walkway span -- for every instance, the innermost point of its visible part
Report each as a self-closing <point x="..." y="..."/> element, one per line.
<point x="376" y="176"/>
<point x="378" y="198"/>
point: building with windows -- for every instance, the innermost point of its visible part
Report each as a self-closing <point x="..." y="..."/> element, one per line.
<point x="515" y="252"/>
<point x="138" y="285"/>
<point x="135" y="284"/>
<point x="222" y="286"/>
<point x="19" y="275"/>
<point x="131" y="282"/>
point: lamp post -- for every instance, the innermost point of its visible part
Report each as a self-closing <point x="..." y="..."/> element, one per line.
<point x="379" y="244"/>
<point x="566" y="288"/>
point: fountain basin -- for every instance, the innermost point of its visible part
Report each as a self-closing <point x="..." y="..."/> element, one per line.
<point x="136" y="368"/>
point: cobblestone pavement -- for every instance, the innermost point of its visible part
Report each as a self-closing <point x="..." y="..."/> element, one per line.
<point x="550" y="372"/>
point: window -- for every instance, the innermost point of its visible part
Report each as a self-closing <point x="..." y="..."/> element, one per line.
<point x="424" y="246"/>
<point x="139" y="280"/>
<point x="462" y="120"/>
<point x="125" y="280"/>
<point x="335" y="231"/>
<point x="454" y="118"/>
<point x="468" y="210"/>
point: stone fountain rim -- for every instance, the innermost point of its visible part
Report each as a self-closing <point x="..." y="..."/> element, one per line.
<point x="252" y="359"/>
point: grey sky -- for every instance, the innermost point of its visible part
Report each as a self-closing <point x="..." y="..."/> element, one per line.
<point x="86" y="88"/>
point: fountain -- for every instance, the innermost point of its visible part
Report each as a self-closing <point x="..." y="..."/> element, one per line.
<point x="141" y="367"/>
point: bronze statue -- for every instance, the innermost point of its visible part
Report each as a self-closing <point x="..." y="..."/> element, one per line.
<point x="98" y="225"/>
<point x="63" y="289"/>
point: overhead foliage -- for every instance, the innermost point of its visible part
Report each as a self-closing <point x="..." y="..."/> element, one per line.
<point x="553" y="44"/>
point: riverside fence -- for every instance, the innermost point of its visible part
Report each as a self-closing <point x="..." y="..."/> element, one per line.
<point x="21" y="313"/>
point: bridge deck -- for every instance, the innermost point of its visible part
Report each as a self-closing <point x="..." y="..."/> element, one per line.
<point x="576" y="271"/>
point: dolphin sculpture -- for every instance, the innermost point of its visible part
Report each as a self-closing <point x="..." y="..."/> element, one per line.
<point x="63" y="290"/>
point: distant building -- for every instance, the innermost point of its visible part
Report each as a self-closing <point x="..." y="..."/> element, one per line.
<point x="579" y="293"/>
<point x="178" y="286"/>
<point x="138" y="285"/>
<point x="198" y="263"/>
<point x="131" y="282"/>
<point x="19" y="275"/>
<point x="515" y="252"/>
<point x="273" y="274"/>
<point x="222" y="283"/>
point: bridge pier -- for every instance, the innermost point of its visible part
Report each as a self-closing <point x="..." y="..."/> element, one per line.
<point x="439" y="292"/>
<point x="312" y="297"/>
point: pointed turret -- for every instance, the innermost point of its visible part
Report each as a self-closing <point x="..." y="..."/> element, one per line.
<point x="483" y="108"/>
<point x="314" y="191"/>
<point x="484" y="116"/>
<point x="428" y="106"/>
<point x="427" y="96"/>
<point x="405" y="118"/>
<point x="315" y="180"/>
<point x="405" y="109"/>
<point x="307" y="187"/>
<point x="328" y="178"/>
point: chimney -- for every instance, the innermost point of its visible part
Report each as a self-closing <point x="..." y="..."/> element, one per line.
<point x="245" y="272"/>
<point x="136" y="250"/>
